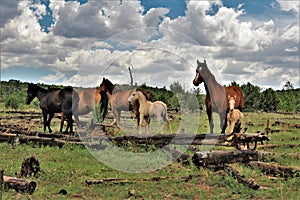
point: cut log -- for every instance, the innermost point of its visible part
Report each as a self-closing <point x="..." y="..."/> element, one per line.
<point x="274" y="170"/>
<point x="20" y="185"/>
<point x="220" y="157"/>
<point x="241" y="179"/>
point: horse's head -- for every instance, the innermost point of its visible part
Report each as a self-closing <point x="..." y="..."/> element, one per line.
<point x="200" y="73"/>
<point x="106" y="85"/>
<point x="133" y="96"/>
<point x="31" y="92"/>
<point x="231" y="102"/>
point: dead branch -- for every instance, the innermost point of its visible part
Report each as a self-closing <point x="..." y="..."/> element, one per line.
<point x="274" y="170"/>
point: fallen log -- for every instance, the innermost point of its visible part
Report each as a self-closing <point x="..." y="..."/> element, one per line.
<point x="20" y="185"/>
<point x="274" y="170"/>
<point x="241" y="179"/>
<point x="159" y="139"/>
<point x="239" y="139"/>
<point x="218" y="158"/>
<point x="281" y="123"/>
<point x="132" y="180"/>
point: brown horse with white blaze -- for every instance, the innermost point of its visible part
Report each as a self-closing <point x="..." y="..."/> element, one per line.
<point x="216" y="95"/>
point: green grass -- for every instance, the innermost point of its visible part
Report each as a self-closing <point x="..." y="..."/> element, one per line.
<point x="68" y="168"/>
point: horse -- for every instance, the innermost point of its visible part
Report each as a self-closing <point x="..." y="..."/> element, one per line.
<point x="54" y="101"/>
<point x="234" y="115"/>
<point x="216" y="95"/>
<point x="88" y="99"/>
<point x="150" y="110"/>
<point x="119" y="100"/>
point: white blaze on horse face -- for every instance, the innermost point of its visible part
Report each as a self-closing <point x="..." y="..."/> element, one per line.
<point x="231" y="101"/>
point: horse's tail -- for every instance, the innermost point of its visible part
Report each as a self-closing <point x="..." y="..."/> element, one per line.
<point x="104" y="104"/>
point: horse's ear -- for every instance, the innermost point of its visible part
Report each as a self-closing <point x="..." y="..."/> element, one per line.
<point x="198" y="62"/>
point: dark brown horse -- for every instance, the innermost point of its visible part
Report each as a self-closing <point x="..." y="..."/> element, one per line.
<point x="54" y="101"/>
<point x="216" y="99"/>
<point x="119" y="100"/>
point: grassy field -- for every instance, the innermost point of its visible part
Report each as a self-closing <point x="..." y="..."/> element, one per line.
<point x="68" y="167"/>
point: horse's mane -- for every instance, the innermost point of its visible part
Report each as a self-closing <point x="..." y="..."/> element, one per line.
<point x="147" y="94"/>
<point x="109" y="85"/>
<point x="32" y="85"/>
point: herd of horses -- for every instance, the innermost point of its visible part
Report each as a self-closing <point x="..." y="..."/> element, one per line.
<point x="227" y="102"/>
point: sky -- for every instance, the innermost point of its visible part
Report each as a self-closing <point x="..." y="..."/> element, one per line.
<point x="79" y="42"/>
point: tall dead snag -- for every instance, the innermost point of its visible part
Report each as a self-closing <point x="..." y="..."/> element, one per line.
<point x="275" y="170"/>
<point x="218" y="158"/>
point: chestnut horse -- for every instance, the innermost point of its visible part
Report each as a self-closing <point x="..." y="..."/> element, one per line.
<point x="119" y="100"/>
<point x="88" y="99"/>
<point x="216" y="95"/>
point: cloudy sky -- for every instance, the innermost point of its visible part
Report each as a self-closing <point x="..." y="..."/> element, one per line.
<point x="78" y="42"/>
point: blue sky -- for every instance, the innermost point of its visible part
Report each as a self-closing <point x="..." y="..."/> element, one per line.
<point x="73" y="42"/>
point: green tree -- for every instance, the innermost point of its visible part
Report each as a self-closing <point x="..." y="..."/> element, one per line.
<point x="252" y="96"/>
<point x="177" y="88"/>
<point x="13" y="102"/>
<point x="269" y="100"/>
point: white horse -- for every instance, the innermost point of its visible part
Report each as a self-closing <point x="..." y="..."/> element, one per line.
<point x="234" y="115"/>
<point x="148" y="110"/>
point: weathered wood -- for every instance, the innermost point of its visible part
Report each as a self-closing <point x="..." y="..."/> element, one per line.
<point x="274" y="170"/>
<point x="159" y="139"/>
<point x="223" y="157"/>
<point x="281" y="123"/>
<point x="20" y="185"/>
<point x="132" y="180"/>
<point x="238" y="139"/>
<point x="30" y="166"/>
<point x="241" y="179"/>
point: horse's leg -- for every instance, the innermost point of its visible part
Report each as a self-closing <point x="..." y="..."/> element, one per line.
<point x="62" y="119"/>
<point x="210" y="119"/>
<point x="169" y="125"/>
<point x="148" y="125"/>
<point x="51" y="115"/>
<point x="140" y="123"/>
<point x="223" y="120"/>
<point x="70" y="123"/>
<point x="45" y="120"/>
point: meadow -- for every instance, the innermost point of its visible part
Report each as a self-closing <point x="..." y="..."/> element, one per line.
<point x="67" y="168"/>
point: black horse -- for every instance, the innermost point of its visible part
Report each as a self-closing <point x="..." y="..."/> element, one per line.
<point x="55" y="101"/>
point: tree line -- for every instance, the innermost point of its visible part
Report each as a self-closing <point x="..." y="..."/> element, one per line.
<point x="13" y="95"/>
